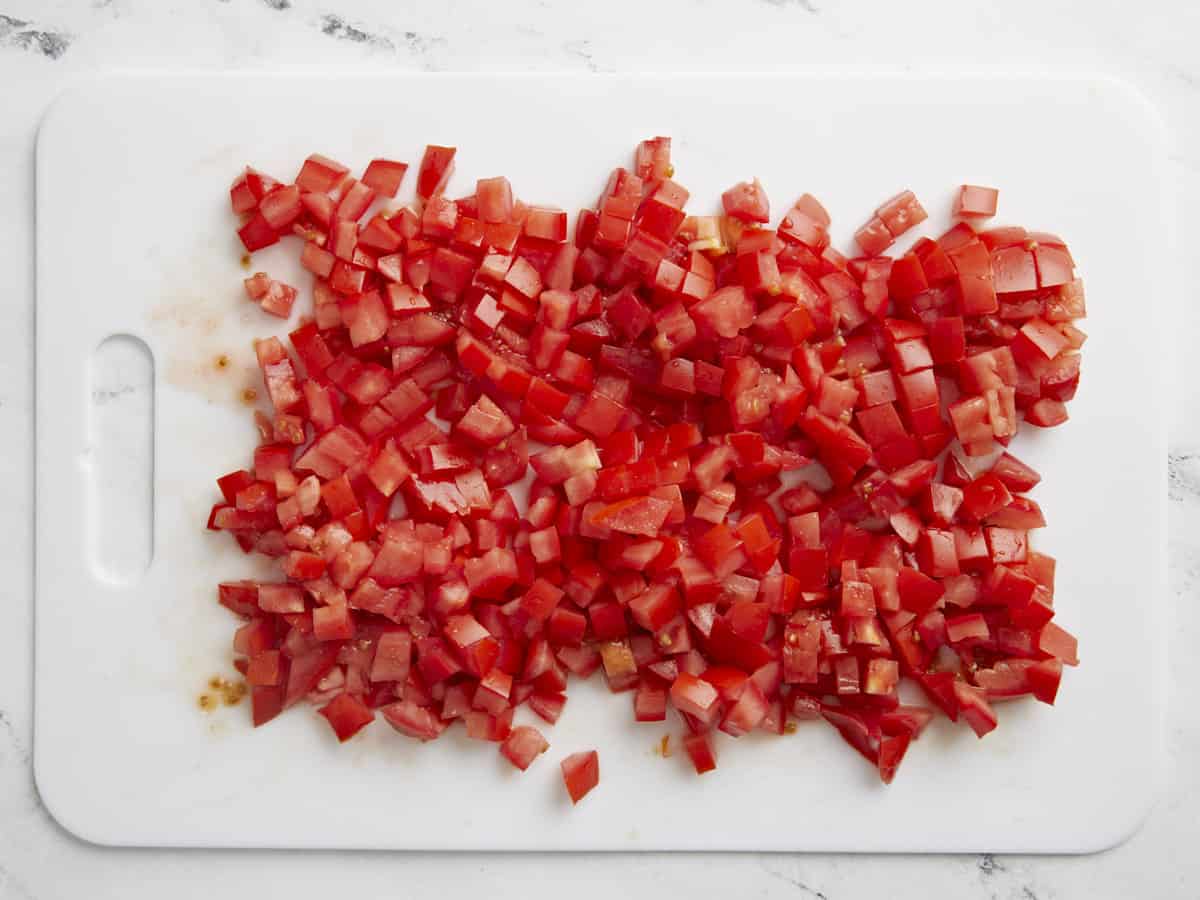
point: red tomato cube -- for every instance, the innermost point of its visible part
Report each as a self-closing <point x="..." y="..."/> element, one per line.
<point x="581" y="773"/>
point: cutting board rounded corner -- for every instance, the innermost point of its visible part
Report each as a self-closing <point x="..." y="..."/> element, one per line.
<point x="1138" y="105"/>
<point x="1110" y="835"/>
<point x="60" y="111"/>
<point x="70" y="809"/>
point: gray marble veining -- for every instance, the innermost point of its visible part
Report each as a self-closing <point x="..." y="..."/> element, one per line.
<point x="24" y="35"/>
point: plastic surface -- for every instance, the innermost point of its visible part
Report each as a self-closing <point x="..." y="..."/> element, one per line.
<point x="135" y="237"/>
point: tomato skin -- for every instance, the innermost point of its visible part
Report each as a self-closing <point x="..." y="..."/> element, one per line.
<point x="907" y="278"/>
<point x="974" y="708"/>
<point x="1044" y="680"/>
<point x="947" y="340"/>
<point x="266" y="703"/>
<point x="1060" y="381"/>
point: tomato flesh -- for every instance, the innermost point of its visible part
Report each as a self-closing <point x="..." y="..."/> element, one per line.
<point x="347" y="715"/>
<point x="974" y="201"/>
<point x="523" y="745"/>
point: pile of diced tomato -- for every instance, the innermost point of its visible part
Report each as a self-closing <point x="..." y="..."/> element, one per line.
<point x="760" y="482"/>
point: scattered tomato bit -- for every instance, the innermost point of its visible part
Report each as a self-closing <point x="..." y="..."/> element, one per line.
<point x="581" y="773"/>
<point x="700" y="752"/>
<point x="976" y="202"/>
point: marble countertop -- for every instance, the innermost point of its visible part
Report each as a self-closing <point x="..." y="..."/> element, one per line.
<point x="46" y="44"/>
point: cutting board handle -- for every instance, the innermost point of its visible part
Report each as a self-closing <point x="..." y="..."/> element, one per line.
<point x="119" y="460"/>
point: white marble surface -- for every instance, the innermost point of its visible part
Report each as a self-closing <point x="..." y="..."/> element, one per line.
<point x="44" y="45"/>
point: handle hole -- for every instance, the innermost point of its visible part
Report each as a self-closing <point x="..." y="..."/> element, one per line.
<point x="121" y="460"/>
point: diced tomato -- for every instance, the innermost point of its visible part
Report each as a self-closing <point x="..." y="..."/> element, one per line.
<point x="581" y="773"/>
<point x="973" y="201"/>
<point x="901" y="213"/>
<point x="547" y="224"/>
<point x="918" y="592"/>
<point x="635" y="515"/>
<point x="436" y="165"/>
<point x="673" y="368"/>
<point x="655" y="607"/>
<point x="257" y="233"/>
<point x="320" y="174"/>
<point x="747" y="201"/>
<point x="1054" y="266"/>
<point x="384" y="176"/>
<point x="393" y="657"/>
<point x="1013" y="270"/>
<point x="700" y="752"/>
<point x="974" y="708"/>
<point x="410" y="719"/>
<point x="1056" y="642"/>
<point x="694" y="696"/>
<point x="347" y="715"/>
<point x="873" y="238"/>
<point x="523" y="745"/>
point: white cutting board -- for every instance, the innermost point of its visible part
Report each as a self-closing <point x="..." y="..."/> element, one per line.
<point x="135" y="237"/>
